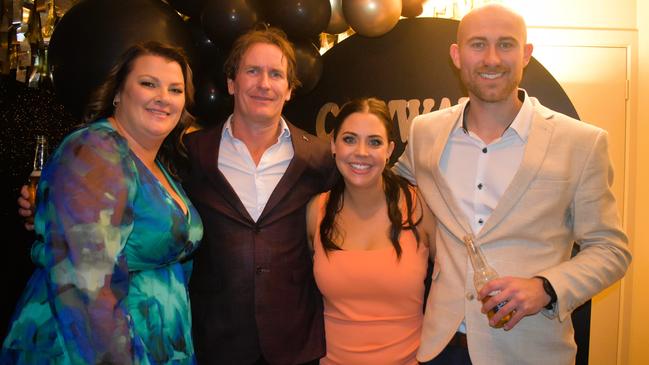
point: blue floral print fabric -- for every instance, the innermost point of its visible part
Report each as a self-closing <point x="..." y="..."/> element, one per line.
<point x="113" y="254"/>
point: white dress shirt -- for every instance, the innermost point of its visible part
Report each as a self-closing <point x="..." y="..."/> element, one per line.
<point x="478" y="173"/>
<point x="254" y="183"/>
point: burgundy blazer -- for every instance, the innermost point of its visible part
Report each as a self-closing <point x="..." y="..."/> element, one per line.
<point x="252" y="289"/>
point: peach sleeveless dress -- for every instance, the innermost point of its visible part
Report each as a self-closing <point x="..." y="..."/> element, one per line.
<point x="373" y="304"/>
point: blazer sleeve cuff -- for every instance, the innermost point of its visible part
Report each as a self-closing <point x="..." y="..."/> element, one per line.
<point x="559" y="309"/>
<point x="552" y="313"/>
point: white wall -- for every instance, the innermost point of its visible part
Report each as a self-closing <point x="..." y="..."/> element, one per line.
<point x="614" y="23"/>
<point x="637" y="340"/>
<point x="583" y="14"/>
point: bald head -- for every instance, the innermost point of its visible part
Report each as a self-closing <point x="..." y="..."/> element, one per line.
<point x="494" y="16"/>
<point x="491" y="53"/>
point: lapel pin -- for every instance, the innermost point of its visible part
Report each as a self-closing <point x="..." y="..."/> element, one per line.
<point x="305" y="138"/>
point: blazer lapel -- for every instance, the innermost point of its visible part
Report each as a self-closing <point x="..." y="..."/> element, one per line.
<point x="535" y="151"/>
<point x="451" y="216"/>
<point x="301" y="156"/>
<point x="209" y="146"/>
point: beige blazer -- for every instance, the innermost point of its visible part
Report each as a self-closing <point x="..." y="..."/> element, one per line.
<point x="560" y="194"/>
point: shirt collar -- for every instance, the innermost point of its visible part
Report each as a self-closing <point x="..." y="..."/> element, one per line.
<point x="521" y="123"/>
<point x="285" y="133"/>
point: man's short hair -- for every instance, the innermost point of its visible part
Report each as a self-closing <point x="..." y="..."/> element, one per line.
<point x="268" y="35"/>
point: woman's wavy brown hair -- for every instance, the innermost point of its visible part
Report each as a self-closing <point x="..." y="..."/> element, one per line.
<point x="393" y="185"/>
<point x="100" y="104"/>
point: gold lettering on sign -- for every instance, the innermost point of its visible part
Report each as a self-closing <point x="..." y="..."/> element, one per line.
<point x="322" y="118"/>
<point x="404" y="110"/>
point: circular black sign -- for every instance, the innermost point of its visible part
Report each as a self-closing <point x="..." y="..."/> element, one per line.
<point x="410" y="68"/>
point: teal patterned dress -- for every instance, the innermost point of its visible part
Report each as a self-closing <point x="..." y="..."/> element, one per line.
<point x="113" y="250"/>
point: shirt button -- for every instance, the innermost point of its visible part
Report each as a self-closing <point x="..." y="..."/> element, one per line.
<point x="480" y="186"/>
<point x="484" y="150"/>
<point x="259" y="270"/>
<point x="469" y="296"/>
<point x="480" y="221"/>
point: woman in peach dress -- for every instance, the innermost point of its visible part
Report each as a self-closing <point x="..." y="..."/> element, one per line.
<point x="371" y="238"/>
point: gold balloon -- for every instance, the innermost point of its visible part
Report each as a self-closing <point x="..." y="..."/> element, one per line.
<point x="337" y="23"/>
<point x="412" y="8"/>
<point x="372" y="18"/>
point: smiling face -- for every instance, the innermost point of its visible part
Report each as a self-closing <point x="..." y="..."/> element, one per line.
<point x="362" y="149"/>
<point x="260" y="86"/>
<point x="151" y="100"/>
<point x="491" y="53"/>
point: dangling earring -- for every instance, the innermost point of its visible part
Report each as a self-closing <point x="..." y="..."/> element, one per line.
<point x="115" y="102"/>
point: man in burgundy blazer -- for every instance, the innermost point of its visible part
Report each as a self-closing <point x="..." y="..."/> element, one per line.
<point x="254" y="299"/>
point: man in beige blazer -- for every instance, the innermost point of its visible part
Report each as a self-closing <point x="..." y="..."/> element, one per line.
<point x="525" y="182"/>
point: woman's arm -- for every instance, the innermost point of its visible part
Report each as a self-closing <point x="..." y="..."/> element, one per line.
<point x="86" y="216"/>
<point x="312" y="220"/>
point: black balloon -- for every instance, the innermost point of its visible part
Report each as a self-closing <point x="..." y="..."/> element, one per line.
<point x="191" y="8"/>
<point x="93" y="33"/>
<point x="211" y="97"/>
<point x="309" y="66"/>
<point x="212" y="104"/>
<point x="300" y="19"/>
<point x="225" y="20"/>
<point x="207" y="51"/>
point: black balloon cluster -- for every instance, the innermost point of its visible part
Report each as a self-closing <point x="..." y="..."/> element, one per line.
<point x="94" y="32"/>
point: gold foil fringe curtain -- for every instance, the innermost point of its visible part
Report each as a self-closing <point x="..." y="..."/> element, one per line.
<point x="26" y="27"/>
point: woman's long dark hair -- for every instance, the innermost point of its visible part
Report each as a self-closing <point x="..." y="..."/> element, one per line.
<point x="393" y="184"/>
<point x="100" y="104"/>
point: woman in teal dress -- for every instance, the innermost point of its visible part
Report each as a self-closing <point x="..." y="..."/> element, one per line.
<point x="114" y="230"/>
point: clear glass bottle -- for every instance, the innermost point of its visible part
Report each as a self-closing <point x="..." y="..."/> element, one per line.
<point x="40" y="155"/>
<point x="483" y="273"/>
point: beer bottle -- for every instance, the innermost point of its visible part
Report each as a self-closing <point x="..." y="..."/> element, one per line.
<point x="40" y="154"/>
<point x="483" y="273"/>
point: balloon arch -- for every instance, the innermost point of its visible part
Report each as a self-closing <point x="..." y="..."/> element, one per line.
<point x="93" y="32"/>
